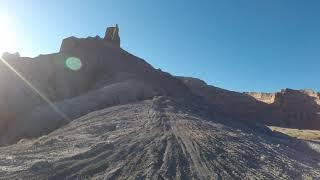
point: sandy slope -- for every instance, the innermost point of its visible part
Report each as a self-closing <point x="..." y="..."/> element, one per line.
<point x="299" y="133"/>
<point x="159" y="139"/>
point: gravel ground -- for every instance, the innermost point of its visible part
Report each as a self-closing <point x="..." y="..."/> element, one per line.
<point x="159" y="139"/>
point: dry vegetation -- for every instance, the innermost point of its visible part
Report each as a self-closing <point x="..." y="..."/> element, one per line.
<point x="298" y="133"/>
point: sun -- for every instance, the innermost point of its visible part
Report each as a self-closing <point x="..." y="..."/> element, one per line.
<point x="7" y="35"/>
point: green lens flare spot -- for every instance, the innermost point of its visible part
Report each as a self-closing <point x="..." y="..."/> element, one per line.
<point x="73" y="63"/>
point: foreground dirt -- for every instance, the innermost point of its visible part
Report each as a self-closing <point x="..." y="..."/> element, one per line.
<point x="159" y="139"/>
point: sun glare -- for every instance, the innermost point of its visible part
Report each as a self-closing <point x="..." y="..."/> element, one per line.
<point x="7" y="35"/>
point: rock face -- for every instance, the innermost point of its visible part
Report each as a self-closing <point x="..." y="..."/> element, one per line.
<point x="297" y="108"/>
<point x="112" y="35"/>
<point x="269" y="98"/>
<point x="263" y="97"/>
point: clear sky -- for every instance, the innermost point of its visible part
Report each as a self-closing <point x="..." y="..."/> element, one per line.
<point x="247" y="45"/>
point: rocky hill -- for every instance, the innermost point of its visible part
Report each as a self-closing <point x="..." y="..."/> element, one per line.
<point x="93" y="110"/>
<point x="288" y="108"/>
<point x="108" y="76"/>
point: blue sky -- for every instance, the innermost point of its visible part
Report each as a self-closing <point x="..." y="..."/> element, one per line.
<point x="247" y="45"/>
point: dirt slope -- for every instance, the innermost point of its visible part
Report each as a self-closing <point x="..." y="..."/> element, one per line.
<point x="159" y="139"/>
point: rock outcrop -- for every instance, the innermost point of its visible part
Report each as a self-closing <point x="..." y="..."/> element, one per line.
<point x="269" y="98"/>
<point x="112" y="35"/>
<point x="263" y="97"/>
<point x="297" y="108"/>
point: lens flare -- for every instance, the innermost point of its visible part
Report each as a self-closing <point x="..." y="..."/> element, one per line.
<point x="73" y="63"/>
<point x="47" y="100"/>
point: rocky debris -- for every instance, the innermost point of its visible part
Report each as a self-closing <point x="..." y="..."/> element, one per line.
<point x="112" y="35"/>
<point x="158" y="139"/>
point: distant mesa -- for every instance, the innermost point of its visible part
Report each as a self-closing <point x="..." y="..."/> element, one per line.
<point x="112" y="34"/>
